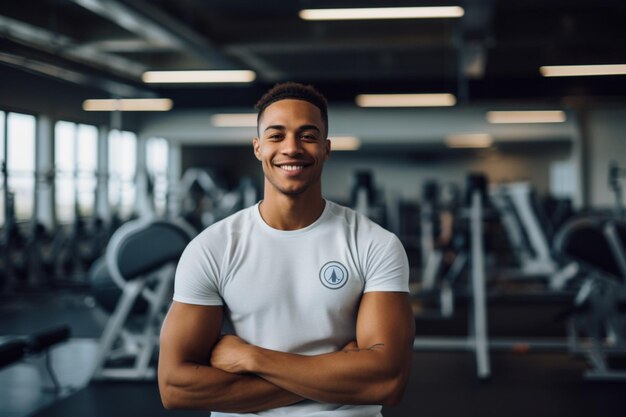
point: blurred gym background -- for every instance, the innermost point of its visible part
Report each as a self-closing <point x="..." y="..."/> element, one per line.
<point x="488" y="135"/>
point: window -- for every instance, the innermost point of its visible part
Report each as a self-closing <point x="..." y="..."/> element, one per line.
<point x="87" y="167"/>
<point x="122" y="168"/>
<point x="156" y="164"/>
<point x="20" y="157"/>
<point x="75" y="161"/>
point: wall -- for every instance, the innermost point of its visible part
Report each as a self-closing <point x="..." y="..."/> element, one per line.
<point x="399" y="175"/>
<point x="228" y="163"/>
<point x="402" y="175"/>
<point x="405" y="145"/>
<point x="601" y="129"/>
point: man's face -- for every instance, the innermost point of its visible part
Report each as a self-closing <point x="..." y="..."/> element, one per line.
<point x="292" y="146"/>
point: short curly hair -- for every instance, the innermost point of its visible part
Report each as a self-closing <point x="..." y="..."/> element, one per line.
<point x="295" y="91"/>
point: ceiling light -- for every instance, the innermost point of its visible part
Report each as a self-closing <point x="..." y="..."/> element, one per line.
<point x="469" y="140"/>
<point x="531" y="116"/>
<point x="234" y="120"/>
<point x="405" y="100"/>
<point x="128" y="104"/>
<point x="382" y="13"/>
<point x="242" y="76"/>
<point x="582" y="70"/>
<point x="344" y="143"/>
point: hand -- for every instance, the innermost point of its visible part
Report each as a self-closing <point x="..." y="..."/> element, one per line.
<point x="230" y="354"/>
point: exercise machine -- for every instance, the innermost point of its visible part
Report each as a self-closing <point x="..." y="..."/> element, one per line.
<point x="12" y="244"/>
<point x="470" y="267"/>
<point x="205" y="202"/>
<point x="615" y="173"/>
<point x="477" y="339"/>
<point x="598" y="245"/>
<point x="442" y="256"/>
<point x="529" y="237"/>
<point x="365" y="199"/>
<point x="140" y="260"/>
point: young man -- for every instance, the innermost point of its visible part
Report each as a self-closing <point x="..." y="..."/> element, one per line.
<point x="316" y="293"/>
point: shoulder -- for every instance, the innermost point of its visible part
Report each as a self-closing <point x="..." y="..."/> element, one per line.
<point x="382" y="259"/>
<point x="205" y="253"/>
<point x="360" y="224"/>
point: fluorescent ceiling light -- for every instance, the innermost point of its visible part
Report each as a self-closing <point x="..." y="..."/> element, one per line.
<point x="405" y="100"/>
<point x="382" y="13"/>
<point x="344" y="143"/>
<point x="128" y="104"/>
<point x="582" y="70"/>
<point x="531" y="116"/>
<point x="234" y="120"/>
<point x="469" y="140"/>
<point x="242" y="76"/>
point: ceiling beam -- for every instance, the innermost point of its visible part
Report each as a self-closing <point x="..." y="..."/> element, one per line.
<point x="128" y="46"/>
<point x="65" y="47"/>
<point x="159" y="29"/>
<point x="404" y="43"/>
<point x="114" y="88"/>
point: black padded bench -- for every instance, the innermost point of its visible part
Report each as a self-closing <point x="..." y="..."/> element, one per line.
<point x="35" y="346"/>
<point x="11" y="351"/>
<point x="41" y="341"/>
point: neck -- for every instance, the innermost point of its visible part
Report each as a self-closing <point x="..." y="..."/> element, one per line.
<point x="285" y="212"/>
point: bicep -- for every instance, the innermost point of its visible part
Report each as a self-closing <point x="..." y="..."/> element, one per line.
<point x="189" y="333"/>
<point x="385" y="320"/>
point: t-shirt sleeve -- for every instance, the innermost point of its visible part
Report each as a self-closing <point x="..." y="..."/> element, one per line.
<point x="387" y="267"/>
<point x="196" y="280"/>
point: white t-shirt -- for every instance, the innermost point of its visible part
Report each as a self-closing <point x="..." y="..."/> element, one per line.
<point x="293" y="291"/>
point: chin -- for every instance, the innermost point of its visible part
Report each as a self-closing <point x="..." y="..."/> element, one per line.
<point x="292" y="188"/>
<point x="293" y="192"/>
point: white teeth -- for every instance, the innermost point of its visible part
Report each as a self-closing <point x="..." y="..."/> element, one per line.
<point x="291" y="167"/>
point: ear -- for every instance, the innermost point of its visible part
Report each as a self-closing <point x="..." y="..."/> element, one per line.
<point x="327" y="150"/>
<point x="256" y="147"/>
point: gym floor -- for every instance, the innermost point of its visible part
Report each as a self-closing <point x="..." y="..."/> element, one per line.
<point x="523" y="383"/>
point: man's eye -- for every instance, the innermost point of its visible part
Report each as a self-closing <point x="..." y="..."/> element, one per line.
<point x="309" y="137"/>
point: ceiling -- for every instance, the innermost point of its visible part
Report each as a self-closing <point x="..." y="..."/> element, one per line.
<point x="493" y="53"/>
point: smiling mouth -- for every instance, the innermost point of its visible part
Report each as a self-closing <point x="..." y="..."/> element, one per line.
<point x="291" y="168"/>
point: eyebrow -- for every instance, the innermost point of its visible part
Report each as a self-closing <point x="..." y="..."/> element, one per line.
<point x="303" y="127"/>
<point x="277" y="127"/>
<point x="309" y="127"/>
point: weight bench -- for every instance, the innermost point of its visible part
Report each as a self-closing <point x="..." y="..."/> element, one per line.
<point x="141" y="258"/>
<point x="35" y="349"/>
<point x="11" y="351"/>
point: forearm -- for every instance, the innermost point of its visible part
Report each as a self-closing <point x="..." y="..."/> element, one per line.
<point x="375" y="374"/>
<point x="352" y="376"/>
<point x="194" y="386"/>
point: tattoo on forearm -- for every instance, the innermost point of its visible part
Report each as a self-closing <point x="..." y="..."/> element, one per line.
<point x="377" y="345"/>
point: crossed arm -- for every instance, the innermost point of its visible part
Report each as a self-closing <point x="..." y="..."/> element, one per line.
<point x="186" y="379"/>
<point x="240" y="377"/>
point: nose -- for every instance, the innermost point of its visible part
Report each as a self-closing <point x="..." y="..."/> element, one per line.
<point x="291" y="145"/>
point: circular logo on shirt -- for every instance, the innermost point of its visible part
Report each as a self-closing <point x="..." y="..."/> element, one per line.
<point x="333" y="275"/>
